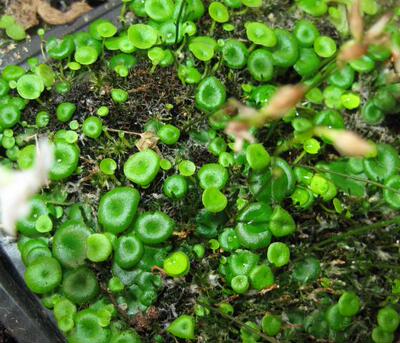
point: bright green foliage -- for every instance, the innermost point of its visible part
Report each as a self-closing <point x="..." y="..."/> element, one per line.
<point x="182" y="327"/>
<point x="98" y="247"/>
<point x="169" y="134"/>
<point x="212" y="175"/>
<point x="65" y="111"/>
<point x="177" y="264"/>
<point x="154" y="227"/>
<point x="214" y="200"/>
<point x="43" y="275"/>
<point x="210" y="94"/>
<point x="218" y="12"/>
<point x="141" y="168"/>
<point x="117" y="208"/>
<point x="271" y="324"/>
<point x="260" y="34"/>
<point x="166" y="97"/>
<point x="203" y="47"/>
<point x="142" y="36"/>
<point x="278" y="254"/>
<point x="30" y="86"/>
<point x="92" y="127"/>
<point x="175" y="187"/>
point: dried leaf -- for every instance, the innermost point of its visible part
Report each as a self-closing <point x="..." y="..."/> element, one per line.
<point x="356" y="22"/>
<point x="396" y="59"/>
<point x="148" y="140"/>
<point x="376" y="31"/>
<point x="351" y="51"/>
<point x="286" y="98"/>
<point x="241" y="133"/>
<point x="347" y="143"/>
<point x="55" y="17"/>
<point x="24" y="12"/>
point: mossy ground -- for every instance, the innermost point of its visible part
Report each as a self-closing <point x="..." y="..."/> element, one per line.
<point x="367" y="264"/>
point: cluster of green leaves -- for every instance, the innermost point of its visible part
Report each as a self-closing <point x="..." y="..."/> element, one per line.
<point x="12" y="28"/>
<point x="244" y="216"/>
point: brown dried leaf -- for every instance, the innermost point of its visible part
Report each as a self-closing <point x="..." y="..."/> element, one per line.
<point x="348" y="143"/>
<point x="148" y="140"/>
<point x="356" y="22"/>
<point x="241" y="132"/>
<point x="350" y="52"/>
<point x="24" y="12"/>
<point x="55" y="17"/>
<point x="286" y="98"/>
<point x="396" y="59"/>
<point x="376" y="31"/>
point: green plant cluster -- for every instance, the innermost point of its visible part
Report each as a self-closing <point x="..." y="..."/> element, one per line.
<point x="12" y="28"/>
<point x="175" y="204"/>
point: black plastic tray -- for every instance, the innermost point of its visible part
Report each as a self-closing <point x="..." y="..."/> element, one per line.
<point x="21" y="313"/>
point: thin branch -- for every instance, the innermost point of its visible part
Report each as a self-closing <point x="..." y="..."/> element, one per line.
<point x="358" y="231"/>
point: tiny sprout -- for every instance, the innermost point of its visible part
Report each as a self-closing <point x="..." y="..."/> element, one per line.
<point x="42" y="119"/>
<point x="106" y="29"/>
<point x="182" y="327"/>
<point x="98" y="247"/>
<point x="203" y="48"/>
<point x="177" y="264"/>
<point x="12" y="72"/>
<point x="199" y="250"/>
<point x="41" y="32"/>
<point x="228" y="27"/>
<point x="315" y="8"/>
<point x="175" y="187"/>
<point x="159" y="10"/>
<point x="156" y="55"/>
<point x="350" y="101"/>
<point x="252" y="3"/>
<point x="165" y="164"/>
<point x="240" y="284"/>
<point x="214" y="200"/>
<point x="119" y="96"/>
<point x="186" y="168"/>
<point x="311" y="146"/>
<point x="108" y="166"/>
<point x="103" y="111"/>
<point x="74" y="125"/>
<point x="30" y="86"/>
<point x="324" y="46"/>
<point x="92" y="127"/>
<point x="46" y="73"/>
<point x="278" y="254"/>
<point x="10" y="115"/>
<point x="188" y="74"/>
<point x="86" y="55"/>
<point x="15" y="31"/>
<point x="142" y="36"/>
<point x="234" y="54"/>
<point x="260" y="34"/>
<point x="271" y="324"/>
<point x="65" y="111"/>
<point x="142" y="167"/>
<point x="210" y="94"/>
<point x="218" y="12"/>
<point x="169" y="134"/>
<point x="44" y="224"/>
<point x="74" y="65"/>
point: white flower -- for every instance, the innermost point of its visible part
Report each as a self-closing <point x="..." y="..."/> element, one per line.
<point x="17" y="187"/>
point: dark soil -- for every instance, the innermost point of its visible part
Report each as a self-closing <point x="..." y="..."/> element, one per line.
<point x="5" y="337"/>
